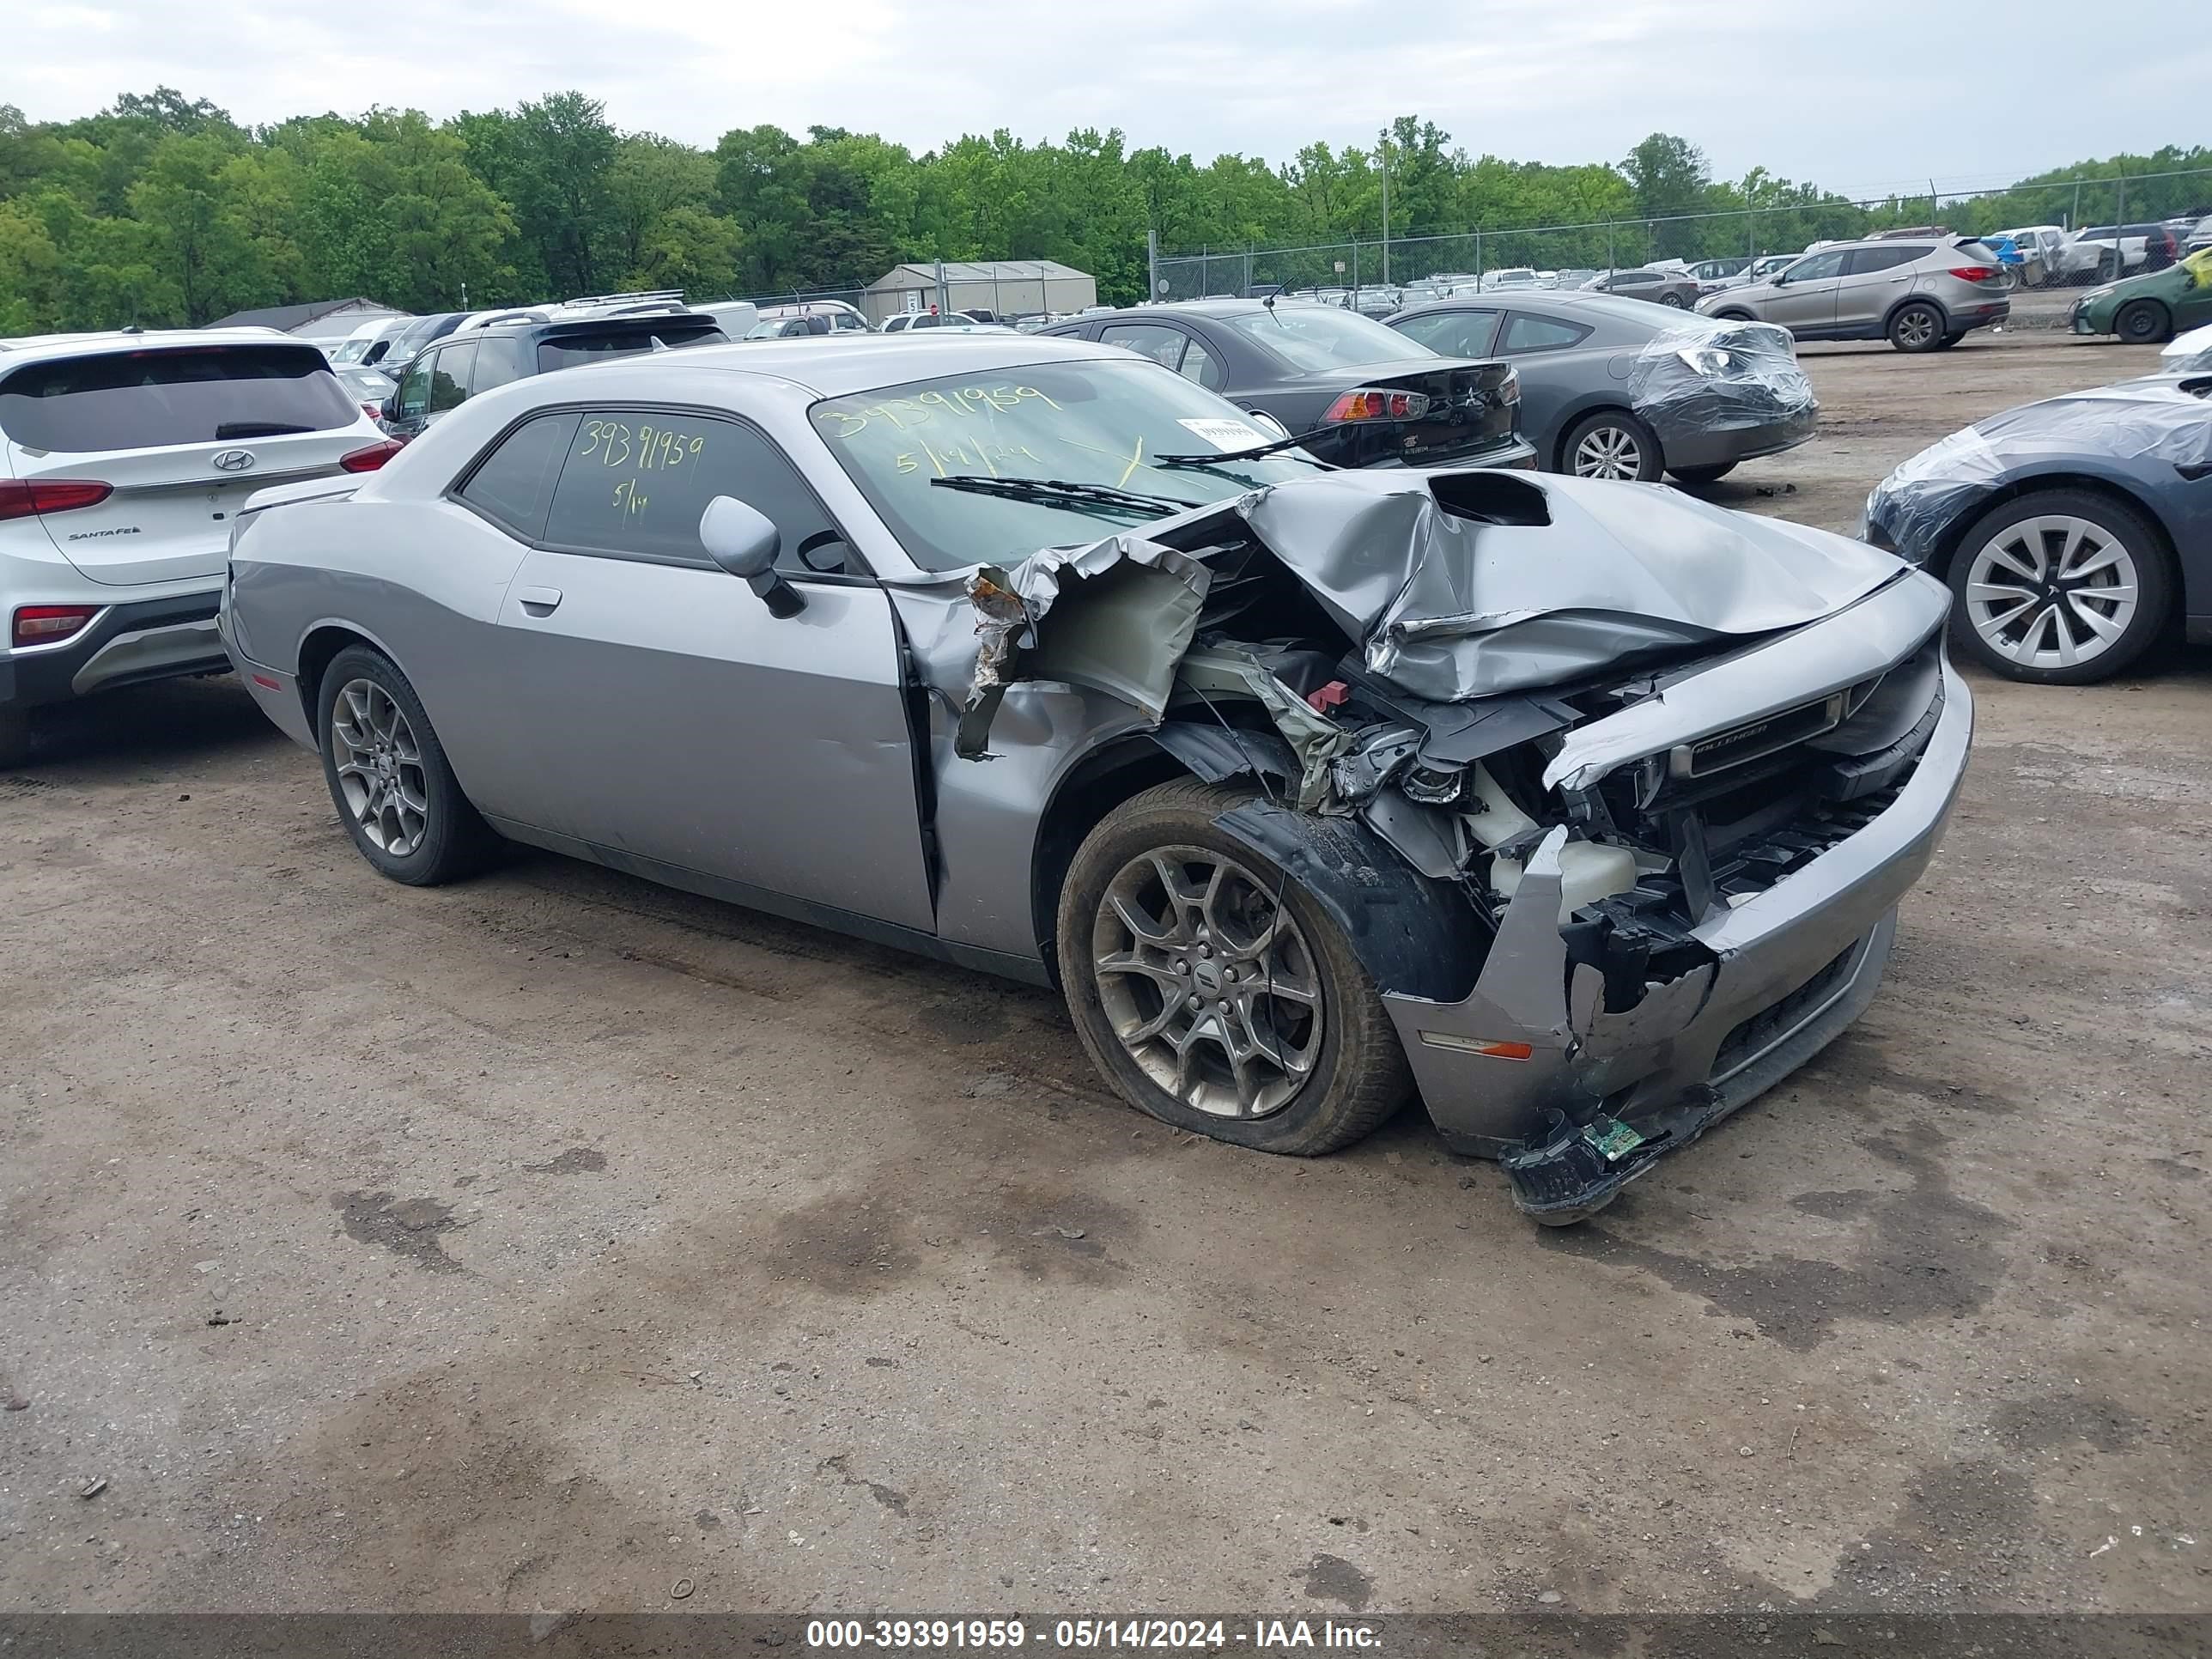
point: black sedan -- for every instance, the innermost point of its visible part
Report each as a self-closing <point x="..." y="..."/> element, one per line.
<point x="1354" y="393"/>
<point x="1619" y="389"/>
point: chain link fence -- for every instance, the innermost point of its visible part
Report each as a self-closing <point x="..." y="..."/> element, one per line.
<point x="1372" y="273"/>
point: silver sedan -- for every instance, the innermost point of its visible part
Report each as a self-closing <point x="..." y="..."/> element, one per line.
<point x="1580" y="809"/>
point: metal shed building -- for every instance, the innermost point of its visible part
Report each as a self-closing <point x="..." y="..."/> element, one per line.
<point x="1003" y="287"/>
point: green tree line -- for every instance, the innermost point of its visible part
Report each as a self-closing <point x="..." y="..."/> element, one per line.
<point x="158" y="210"/>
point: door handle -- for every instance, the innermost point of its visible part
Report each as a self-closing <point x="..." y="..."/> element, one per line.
<point x="538" y="601"/>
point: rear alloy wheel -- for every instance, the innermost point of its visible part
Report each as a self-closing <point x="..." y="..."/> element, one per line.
<point x="388" y="776"/>
<point x="1611" y="444"/>
<point x="1211" y="990"/>
<point x="2062" y="587"/>
<point x="1916" y="326"/>
<point x="2143" y="322"/>
<point x="1675" y="300"/>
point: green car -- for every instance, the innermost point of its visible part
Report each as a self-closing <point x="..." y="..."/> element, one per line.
<point x="2154" y="307"/>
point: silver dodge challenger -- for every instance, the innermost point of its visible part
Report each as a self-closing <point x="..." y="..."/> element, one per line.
<point x="1581" y="809"/>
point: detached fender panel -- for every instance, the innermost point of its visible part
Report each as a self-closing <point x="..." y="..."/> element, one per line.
<point x="1416" y="936"/>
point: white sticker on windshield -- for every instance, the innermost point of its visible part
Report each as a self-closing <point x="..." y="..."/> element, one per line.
<point x="1227" y="436"/>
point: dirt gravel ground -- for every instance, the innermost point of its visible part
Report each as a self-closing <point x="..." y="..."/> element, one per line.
<point x="541" y="1242"/>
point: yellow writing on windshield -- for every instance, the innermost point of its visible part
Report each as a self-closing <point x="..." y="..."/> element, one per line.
<point x="926" y="407"/>
<point x="970" y="456"/>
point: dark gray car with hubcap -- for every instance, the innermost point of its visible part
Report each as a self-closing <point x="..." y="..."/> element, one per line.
<point x="1614" y="388"/>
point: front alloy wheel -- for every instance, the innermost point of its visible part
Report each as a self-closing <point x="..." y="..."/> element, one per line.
<point x="1207" y="981"/>
<point x="2062" y="586"/>
<point x="379" y="767"/>
<point x="1213" y="990"/>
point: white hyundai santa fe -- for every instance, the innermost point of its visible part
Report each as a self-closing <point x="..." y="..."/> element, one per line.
<point x="123" y="458"/>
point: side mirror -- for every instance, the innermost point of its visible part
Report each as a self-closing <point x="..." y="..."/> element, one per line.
<point x="742" y="540"/>
<point x="391" y="409"/>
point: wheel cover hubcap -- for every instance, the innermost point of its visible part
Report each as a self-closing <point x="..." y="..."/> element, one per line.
<point x="1208" y="982"/>
<point x="1608" y="451"/>
<point x="380" y="767"/>
<point x="2052" y="591"/>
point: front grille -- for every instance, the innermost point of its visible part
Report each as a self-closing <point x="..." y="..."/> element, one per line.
<point x="1753" y="1035"/>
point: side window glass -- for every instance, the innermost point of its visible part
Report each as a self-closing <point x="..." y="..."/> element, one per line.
<point x="636" y="480"/>
<point x="498" y="362"/>
<point x="415" y="389"/>
<point x="449" y="377"/>
<point x="1527" y="333"/>
<point x="1162" y="345"/>
<point x="514" y="485"/>
<point x="1453" y="333"/>
<point x="1818" y="268"/>
<point x="1198" y="365"/>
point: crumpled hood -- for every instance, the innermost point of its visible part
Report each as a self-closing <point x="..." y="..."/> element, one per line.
<point x="1586" y="574"/>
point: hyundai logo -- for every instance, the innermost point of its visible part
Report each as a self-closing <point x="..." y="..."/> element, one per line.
<point x="232" y="460"/>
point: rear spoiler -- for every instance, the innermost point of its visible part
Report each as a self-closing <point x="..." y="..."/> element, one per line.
<point x="308" y="490"/>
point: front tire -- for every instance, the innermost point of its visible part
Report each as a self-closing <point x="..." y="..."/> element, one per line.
<point x="1213" y="991"/>
<point x="389" y="778"/>
<point x="2143" y="322"/>
<point x="2060" y="587"/>
<point x="1611" y="444"/>
<point x="1915" y="326"/>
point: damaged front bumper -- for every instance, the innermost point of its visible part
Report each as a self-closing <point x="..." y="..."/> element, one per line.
<point x="1791" y="967"/>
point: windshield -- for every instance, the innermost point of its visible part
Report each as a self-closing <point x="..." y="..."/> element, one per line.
<point x="1322" y="336"/>
<point x="1097" y="423"/>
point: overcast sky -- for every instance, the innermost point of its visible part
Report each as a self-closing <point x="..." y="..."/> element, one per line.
<point x="1859" y="96"/>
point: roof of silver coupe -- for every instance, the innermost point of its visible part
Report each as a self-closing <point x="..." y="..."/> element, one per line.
<point x="837" y="365"/>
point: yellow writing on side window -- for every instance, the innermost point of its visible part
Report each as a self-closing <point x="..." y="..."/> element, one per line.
<point x="923" y="408"/>
<point x="614" y="443"/>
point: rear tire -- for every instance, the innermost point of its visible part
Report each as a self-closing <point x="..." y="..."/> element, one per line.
<point x="1137" y="1021"/>
<point x="1915" y="326"/>
<point x="389" y="778"/>
<point x="1702" y="475"/>
<point x="1611" y="443"/>
<point x="1675" y="300"/>
<point x="2106" y="619"/>
<point x="2143" y="322"/>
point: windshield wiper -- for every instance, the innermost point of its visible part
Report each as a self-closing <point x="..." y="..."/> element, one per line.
<point x="1257" y="452"/>
<point x="1054" y="492"/>
<point x="258" y="430"/>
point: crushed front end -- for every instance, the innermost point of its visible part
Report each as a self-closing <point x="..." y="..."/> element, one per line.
<point x="1613" y="794"/>
<point x="1776" y="806"/>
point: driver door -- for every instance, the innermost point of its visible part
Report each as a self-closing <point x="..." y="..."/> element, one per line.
<point x="1805" y="295"/>
<point x="657" y="711"/>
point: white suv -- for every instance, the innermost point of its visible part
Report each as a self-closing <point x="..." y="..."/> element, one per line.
<point x="123" y="457"/>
